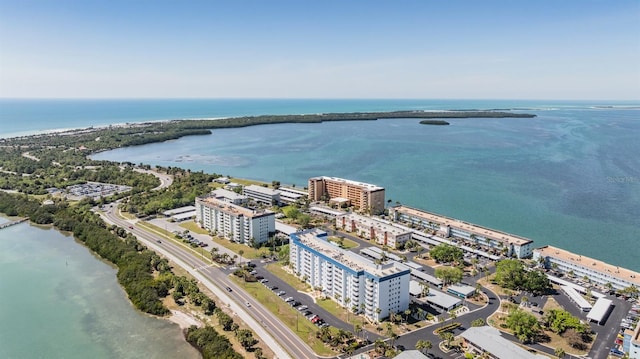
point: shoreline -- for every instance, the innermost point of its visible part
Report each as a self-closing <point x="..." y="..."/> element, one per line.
<point x="183" y="319"/>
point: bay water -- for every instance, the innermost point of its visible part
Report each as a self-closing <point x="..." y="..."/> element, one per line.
<point x="569" y="177"/>
<point x="57" y="300"/>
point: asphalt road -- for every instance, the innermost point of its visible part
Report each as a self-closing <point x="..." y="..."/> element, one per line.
<point x="264" y="323"/>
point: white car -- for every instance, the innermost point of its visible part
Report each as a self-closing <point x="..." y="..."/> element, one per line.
<point x="248" y="305"/>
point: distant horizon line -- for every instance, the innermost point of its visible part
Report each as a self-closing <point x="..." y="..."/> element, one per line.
<point x="304" y="98"/>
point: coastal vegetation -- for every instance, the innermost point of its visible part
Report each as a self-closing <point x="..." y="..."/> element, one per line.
<point x="511" y="274"/>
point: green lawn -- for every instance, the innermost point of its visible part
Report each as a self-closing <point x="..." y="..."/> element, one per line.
<point x="339" y="312"/>
<point x="288" y="315"/>
<point x="290" y="279"/>
<point x="200" y="251"/>
<point x="193" y="227"/>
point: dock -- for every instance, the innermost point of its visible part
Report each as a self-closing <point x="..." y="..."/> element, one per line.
<point x="13" y="223"/>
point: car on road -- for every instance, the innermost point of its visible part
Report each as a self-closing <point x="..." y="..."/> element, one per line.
<point x="130" y="227"/>
<point x="248" y="305"/>
<point x="229" y="289"/>
<point x="158" y="241"/>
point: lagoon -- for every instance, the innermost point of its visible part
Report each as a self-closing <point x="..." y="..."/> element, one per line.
<point x="57" y="300"/>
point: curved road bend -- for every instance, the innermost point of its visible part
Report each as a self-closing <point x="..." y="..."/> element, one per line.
<point x="262" y="321"/>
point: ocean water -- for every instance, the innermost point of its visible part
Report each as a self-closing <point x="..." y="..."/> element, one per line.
<point x="569" y="177"/>
<point x="59" y="301"/>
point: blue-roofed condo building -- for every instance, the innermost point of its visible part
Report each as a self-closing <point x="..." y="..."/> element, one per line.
<point x="375" y="290"/>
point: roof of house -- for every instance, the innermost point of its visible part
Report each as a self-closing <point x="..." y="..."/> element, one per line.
<point x="489" y="339"/>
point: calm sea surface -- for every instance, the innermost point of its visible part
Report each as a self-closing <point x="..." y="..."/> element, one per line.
<point x="59" y="301"/>
<point x="569" y="177"/>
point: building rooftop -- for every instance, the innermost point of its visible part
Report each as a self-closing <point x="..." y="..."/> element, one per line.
<point x="174" y="211"/>
<point x="376" y="224"/>
<point x="225" y="193"/>
<point x="592" y="264"/>
<point x="465" y="290"/>
<point x="264" y="190"/>
<point x="469" y="227"/>
<point x="349" y="259"/>
<point x="441" y="299"/>
<point x="410" y="354"/>
<point x="600" y="310"/>
<point x="213" y="202"/>
<point x="489" y="339"/>
<point x="368" y="186"/>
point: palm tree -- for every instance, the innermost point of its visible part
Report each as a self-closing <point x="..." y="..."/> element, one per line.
<point x="357" y="328"/>
<point x="420" y="313"/>
<point x="378" y="311"/>
<point x="394" y="336"/>
<point x="425" y="289"/>
<point x="407" y="313"/>
<point x="424" y="344"/>
<point x="347" y="300"/>
<point x="379" y="346"/>
<point x="559" y="352"/>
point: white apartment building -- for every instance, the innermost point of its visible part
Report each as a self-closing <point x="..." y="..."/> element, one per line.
<point x="236" y="223"/>
<point x="474" y="235"/>
<point x="264" y="195"/>
<point x="291" y="195"/>
<point x="597" y="271"/>
<point x="371" y="228"/>
<point x="349" y="278"/>
<point x="631" y="344"/>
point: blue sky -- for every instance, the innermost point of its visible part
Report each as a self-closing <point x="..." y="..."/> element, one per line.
<point x="321" y="49"/>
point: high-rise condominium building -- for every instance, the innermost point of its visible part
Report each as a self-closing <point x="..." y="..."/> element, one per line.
<point x="352" y="280"/>
<point x="364" y="196"/>
<point x="234" y="222"/>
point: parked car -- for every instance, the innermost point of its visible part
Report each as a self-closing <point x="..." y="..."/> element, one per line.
<point x="302" y="307"/>
<point x="288" y="299"/>
<point x="281" y="293"/>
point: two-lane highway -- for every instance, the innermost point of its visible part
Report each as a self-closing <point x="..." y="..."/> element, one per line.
<point x="262" y="321"/>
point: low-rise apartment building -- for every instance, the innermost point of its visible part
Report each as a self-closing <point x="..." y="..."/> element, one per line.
<point x="264" y="195"/>
<point x="474" y="235"/>
<point x="291" y="195"/>
<point x="234" y="222"/>
<point x="350" y="279"/>
<point x="363" y="196"/>
<point x="371" y="228"/>
<point x="229" y="196"/>
<point x="580" y="266"/>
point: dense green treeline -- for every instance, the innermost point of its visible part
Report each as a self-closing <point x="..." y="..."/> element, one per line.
<point x="211" y="344"/>
<point x="186" y="187"/>
<point x="96" y="139"/>
<point x="133" y="260"/>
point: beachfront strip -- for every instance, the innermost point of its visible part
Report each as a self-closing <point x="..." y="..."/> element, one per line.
<point x="353" y="281"/>
<point x="364" y="197"/>
<point x="606" y="275"/>
<point x="471" y="234"/>
<point x="238" y="224"/>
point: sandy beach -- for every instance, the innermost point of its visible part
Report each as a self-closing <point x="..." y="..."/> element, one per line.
<point x="184" y="320"/>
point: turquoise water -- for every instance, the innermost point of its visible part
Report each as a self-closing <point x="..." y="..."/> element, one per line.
<point x="59" y="301"/>
<point x="21" y="117"/>
<point x="569" y="178"/>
